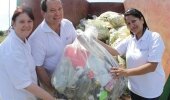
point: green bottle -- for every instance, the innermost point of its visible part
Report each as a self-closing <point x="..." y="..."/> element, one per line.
<point x="103" y="95"/>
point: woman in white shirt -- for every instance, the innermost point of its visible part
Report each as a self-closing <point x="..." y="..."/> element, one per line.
<point x="143" y="53"/>
<point x="17" y="68"/>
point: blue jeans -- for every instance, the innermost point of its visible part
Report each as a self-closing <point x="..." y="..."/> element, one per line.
<point x="137" y="97"/>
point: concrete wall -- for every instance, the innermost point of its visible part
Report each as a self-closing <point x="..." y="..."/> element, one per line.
<point x="157" y="16"/>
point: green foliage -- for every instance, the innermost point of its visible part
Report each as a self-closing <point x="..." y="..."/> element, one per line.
<point x="2" y="36"/>
<point x="1" y="33"/>
<point x="166" y="92"/>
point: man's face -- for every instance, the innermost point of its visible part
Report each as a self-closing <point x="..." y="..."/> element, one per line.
<point x="54" y="13"/>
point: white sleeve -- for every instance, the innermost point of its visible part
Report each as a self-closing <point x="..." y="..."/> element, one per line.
<point x="122" y="46"/>
<point x="18" y="71"/>
<point x="156" y="49"/>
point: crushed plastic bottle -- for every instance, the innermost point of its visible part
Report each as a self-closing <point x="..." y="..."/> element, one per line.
<point x="103" y="95"/>
<point x="110" y="85"/>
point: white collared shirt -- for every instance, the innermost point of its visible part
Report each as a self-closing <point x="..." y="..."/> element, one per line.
<point x="47" y="46"/>
<point x="17" y="69"/>
<point x="149" y="48"/>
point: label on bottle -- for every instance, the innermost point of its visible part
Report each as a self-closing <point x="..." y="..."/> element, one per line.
<point x="109" y="86"/>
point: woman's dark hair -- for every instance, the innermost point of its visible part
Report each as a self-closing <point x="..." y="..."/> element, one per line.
<point x="44" y="5"/>
<point x="21" y="10"/>
<point x="136" y="13"/>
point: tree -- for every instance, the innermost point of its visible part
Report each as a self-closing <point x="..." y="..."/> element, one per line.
<point x="1" y="33"/>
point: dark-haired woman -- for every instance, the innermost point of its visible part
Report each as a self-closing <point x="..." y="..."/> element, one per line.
<point x="143" y="51"/>
<point x="17" y="68"/>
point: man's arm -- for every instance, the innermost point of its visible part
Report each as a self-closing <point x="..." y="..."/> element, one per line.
<point x="140" y="70"/>
<point x="44" y="78"/>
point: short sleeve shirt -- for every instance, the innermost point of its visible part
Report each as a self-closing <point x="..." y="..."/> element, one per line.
<point x="17" y="69"/>
<point x="47" y="46"/>
<point x="149" y="48"/>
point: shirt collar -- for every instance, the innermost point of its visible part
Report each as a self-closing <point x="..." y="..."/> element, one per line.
<point x="144" y="36"/>
<point x="46" y="27"/>
<point x="13" y="33"/>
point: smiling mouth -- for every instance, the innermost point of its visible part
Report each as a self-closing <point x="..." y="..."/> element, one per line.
<point x="133" y="30"/>
<point x="56" y="18"/>
<point x="25" y="29"/>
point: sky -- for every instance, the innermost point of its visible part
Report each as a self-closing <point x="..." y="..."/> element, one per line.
<point x="4" y="13"/>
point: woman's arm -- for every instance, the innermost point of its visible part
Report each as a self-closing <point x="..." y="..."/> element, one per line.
<point x="44" y="78"/>
<point x="111" y="50"/>
<point x="39" y="92"/>
<point x="143" y="69"/>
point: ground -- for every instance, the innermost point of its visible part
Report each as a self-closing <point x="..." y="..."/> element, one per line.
<point x="2" y="38"/>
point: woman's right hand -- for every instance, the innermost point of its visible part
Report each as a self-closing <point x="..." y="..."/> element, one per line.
<point x="118" y="72"/>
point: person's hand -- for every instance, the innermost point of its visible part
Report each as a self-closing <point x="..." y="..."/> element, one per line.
<point x="59" y="96"/>
<point x="118" y="72"/>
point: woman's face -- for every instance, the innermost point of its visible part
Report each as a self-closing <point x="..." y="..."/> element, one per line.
<point x="23" y="25"/>
<point x="134" y="24"/>
<point x="54" y="13"/>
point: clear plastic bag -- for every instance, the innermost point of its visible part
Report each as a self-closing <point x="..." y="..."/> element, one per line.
<point x="83" y="73"/>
